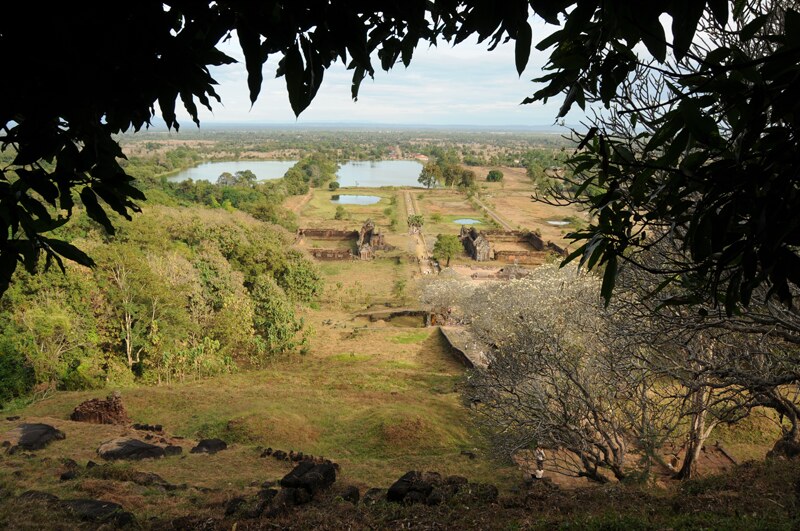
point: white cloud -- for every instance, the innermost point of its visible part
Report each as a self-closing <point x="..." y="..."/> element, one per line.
<point x="465" y="84"/>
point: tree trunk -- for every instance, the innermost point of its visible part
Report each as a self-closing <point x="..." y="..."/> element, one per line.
<point x="699" y="431"/>
<point x="129" y="338"/>
<point x="789" y="445"/>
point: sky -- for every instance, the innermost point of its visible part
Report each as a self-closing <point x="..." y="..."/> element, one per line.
<point x="444" y="85"/>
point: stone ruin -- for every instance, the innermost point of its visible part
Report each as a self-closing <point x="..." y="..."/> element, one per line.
<point x="366" y="242"/>
<point x="97" y="411"/>
<point x="482" y="246"/>
<point x="370" y="240"/>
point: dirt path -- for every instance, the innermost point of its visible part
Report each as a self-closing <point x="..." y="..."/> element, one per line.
<point x="426" y="264"/>
<point x="492" y="214"/>
<point x="296" y="205"/>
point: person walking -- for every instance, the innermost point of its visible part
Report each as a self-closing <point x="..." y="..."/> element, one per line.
<point x="539" y="456"/>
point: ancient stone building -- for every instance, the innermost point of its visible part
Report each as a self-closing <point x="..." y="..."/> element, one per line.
<point x="370" y="240"/>
<point x="476" y="244"/>
<point x="516" y="247"/>
<point x="366" y="242"/>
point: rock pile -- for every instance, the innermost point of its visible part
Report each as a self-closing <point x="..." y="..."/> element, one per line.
<point x="97" y="411"/>
<point x="431" y="489"/>
<point x="297" y="457"/>
<point x="298" y="488"/>
<point x="209" y="446"/>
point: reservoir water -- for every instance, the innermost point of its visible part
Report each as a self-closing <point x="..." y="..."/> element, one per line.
<point x="466" y="221"/>
<point x="210" y="171"/>
<point x="355" y="199"/>
<point x="367" y="174"/>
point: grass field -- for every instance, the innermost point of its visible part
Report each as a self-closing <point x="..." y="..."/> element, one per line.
<point x="320" y="210"/>
<point x="379" y="401"/>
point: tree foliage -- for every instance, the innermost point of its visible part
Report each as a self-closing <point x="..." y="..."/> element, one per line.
<point x="446" y="247"/>
<point x="430" y="175"/>
<point x="177" y="294"/>
<point x="494" y="176"/>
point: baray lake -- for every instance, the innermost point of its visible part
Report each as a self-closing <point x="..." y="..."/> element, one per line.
<point x="355" y="173"/>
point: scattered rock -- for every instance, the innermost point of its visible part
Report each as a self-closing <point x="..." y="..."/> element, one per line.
<point x="129" y="448"/>
<point x="69" y="463"/>
<point x="400" y="488"/>
<point x="234" y="505"/>
<point x="269" y="484"/>
<point x="97" y="411"/>
<point x="267" y="494"/>
<point x="436" y="497"/>
<point x="147" y="427"/>
<point x="267" y="452"/>
<point x="173" y="450"/>
<point x="68" y="475"/>
<point x="280" y="455"/>
<point x="413" y="497"/>
<point x="434" y="478"/>
<point x="147" y="479"/>
<point x="13" y="418"/>
<point x="98" y="511"/>
<point x="310" y="477"/>
<point x="209" y="446"/>
<point x="91" y="464"/>
<point x="469" y="454"/>
<point x="373" y="495"/>
<point x="287" y="498"/>
<point x="32" y="437"/>
<point x="351" y="494"/>
<point x="413" y="487"/>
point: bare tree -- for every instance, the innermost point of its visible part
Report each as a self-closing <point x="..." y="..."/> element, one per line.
<point x="559" y="379"/>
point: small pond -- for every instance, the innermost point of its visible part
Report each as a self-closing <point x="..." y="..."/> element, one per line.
<point x="558" y="223"/>
<point x="355" y="199"/>
<point x="467" y="221"/>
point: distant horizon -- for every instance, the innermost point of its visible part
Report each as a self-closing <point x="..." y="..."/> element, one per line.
<point x="248" y="125"/>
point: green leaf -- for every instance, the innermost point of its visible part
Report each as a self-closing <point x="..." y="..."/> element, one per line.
<point x="654" y="38"/>
<point x="750" y="29"/>
<point x="69" y="251"/>
<point x="250" y="41"/>
<point x="550" y="40"/>
<point x="609" y="278"/>
<point x="522" y="48"/>
<point x="293" y="70"/>
<point x="95" y="211"/>
<point x="685" y="18"/>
